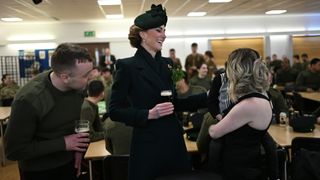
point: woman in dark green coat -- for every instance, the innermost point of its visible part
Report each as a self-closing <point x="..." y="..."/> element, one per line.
<point x="157" y="146"/>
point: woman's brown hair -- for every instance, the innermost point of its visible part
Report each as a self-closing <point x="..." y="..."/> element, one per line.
<point x="134" y="37"/>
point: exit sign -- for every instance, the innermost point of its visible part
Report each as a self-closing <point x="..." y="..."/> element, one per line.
<point x="89" y="34"/>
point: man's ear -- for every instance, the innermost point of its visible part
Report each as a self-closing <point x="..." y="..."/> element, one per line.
<point x="64" y="77"/>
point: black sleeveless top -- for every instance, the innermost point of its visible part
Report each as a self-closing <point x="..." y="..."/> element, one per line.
<point x="241" y="157"/>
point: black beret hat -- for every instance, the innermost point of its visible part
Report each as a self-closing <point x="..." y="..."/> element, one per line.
<point x="153" y="18"/>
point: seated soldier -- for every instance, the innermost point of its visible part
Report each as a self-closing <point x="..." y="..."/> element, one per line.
<point x="118" y="137"/>
<point x="286" y="75"/>
<point x="8" y="90"/>
<point x="89" y="109"/>
<point x="202" y="79"/>
<point x="309" y="80"/>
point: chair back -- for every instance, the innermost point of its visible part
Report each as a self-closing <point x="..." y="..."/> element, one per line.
<point x="275" y="158"/>
<point x="312" y="144"/>
<point x="115" y="167"/>
<point x="298" y="102"/>
<point x="305" y="155"/>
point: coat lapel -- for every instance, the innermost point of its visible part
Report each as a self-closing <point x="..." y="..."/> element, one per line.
<point x="149" y="74"/>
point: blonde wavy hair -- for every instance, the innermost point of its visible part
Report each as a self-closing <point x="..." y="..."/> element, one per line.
<point x="246" y="72"/>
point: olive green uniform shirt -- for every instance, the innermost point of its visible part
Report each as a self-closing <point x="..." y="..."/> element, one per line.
<point x="203" y="82"/>
<point x="89" y="111"/>
<point x="8" y="91"/>
<point x="307" y="79"/>
<point x="41" y="116"/>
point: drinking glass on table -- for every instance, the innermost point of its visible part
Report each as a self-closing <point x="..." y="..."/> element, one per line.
<point x="283" y="118"/>
<point x="82" y="126"/>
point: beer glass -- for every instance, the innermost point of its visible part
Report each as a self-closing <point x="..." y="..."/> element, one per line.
<point x="166" y="95"/>
<point x="82" y="126"/>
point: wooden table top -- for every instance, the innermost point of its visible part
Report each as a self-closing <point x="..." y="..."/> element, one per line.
<point x="283" y="135"/>
<point x="311" y="95"/>
<point x="4" y="113"/>
<point x="191" y="145"/>
<point x="315" y="96"/>
<point x="97" y="150"/>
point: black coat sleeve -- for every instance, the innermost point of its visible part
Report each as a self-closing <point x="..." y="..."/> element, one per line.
<point x="213" y="98"/>
<point x="191" y="103"/>
<point x="119" y="108"/>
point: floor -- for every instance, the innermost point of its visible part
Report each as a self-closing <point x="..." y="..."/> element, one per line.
<point x="10" y="170"/>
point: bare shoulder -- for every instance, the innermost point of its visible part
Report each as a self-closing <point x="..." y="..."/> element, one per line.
<point x="254" y="107"/>
<point x="257" y="110"/>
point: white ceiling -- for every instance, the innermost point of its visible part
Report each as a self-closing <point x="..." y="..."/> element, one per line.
<point x="87" y="10"/>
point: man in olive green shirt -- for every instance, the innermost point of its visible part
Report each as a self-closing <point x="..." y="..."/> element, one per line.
<point x="309" y="80"/>
<point x="286" y="75"/>
<point x="40" y="134"/>
<point x="89" y="109"/>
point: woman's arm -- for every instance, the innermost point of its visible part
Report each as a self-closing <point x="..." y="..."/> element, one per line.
<point x="253" y="111"/>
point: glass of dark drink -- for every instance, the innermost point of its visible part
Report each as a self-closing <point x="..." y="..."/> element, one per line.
<point x="166" y="95"/>
<point x="82" y="126"/>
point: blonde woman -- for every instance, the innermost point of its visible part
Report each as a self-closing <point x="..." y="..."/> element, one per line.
<point x="245" y="123"/>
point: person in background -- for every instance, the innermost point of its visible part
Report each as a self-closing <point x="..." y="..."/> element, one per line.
<point x="193" y="60"/>
<point x="107" y="60"/>
<point x="157" y="146"/>
<point x="309" y="80"/>
<point x="8" y="90"/>
<point x="267" y="61"/>
<point x="275" y="64"/>
<point x="106" y="76"/>
<point x="118" y="137"/>
<point x="297" y="65"/>
<point x="212" y="67"/>
<point x="184" y="89"/>
<point x="201" y="79"/>
<point x="94" y="74"/>
<point x="246" y="122"/>
<point x="41" y="132"/>
<point x="286" y="76"/>
<point x="305" y="61"/>
<point x="176" y="61"/>
<point x="278" y="102"/>
<point x="218" y="101"/>
<point x="34" y="73"/>
<point x="89" y="109"/>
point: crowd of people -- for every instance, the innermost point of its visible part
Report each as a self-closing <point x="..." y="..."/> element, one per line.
<point x="237" y="104"/>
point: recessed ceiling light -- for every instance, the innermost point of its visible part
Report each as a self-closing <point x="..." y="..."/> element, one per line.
<point x="109" y="2"/>
<point x="11" y="19"/>
<point x="276" y="11"/>
<point x="114" y="16"/>
<point x="219" y="1"/>
<point x="196" y="14"/>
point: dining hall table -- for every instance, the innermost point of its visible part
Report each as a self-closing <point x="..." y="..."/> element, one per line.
<point x="314" y="96"/>
<point x="284" y="134"/>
